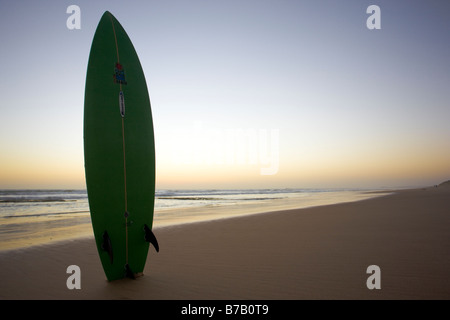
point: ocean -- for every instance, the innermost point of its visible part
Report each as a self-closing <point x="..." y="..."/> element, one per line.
<point x="31" y="217"/>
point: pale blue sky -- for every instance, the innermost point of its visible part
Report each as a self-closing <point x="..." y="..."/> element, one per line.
<point x="353" y="106"/>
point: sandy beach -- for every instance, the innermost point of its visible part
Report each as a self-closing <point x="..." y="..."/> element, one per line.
<point x="312" y="253"/>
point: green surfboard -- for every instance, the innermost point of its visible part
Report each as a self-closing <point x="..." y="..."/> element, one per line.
<point x="119" y="152"/>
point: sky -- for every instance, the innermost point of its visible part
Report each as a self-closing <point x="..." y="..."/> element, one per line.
<point x="244" y="94"/>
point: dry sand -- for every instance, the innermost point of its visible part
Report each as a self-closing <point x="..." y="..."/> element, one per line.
<point x="313" y="253"/>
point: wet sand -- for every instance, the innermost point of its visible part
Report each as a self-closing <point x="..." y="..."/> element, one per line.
<point x="311" y="253"/>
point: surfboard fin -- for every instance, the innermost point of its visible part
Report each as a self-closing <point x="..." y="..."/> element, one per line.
<point x="129" y="273"/>
<point x="106" y="245"/>
<point x="150" y="237"/>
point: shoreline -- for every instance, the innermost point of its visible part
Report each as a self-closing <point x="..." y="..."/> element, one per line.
<point x="312" y="253"/>
<point x="41" y="229"/>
